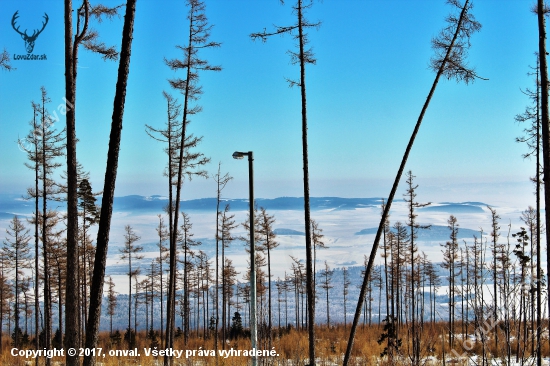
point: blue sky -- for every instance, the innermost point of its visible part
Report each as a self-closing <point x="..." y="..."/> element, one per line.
<point x="364" y="96"/>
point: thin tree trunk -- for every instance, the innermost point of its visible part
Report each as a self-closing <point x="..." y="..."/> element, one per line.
<point x="224" y="299"/>
<point x="16" y="309"/>
<point x="386" y="273"/>
<point x="72" y="329"/>
<point x="85" y="276"/>
<point x="170" y="221"/>
<point x="186" y="309"/>
<point x="60" y="308"/>
<point x="539" y="300"/>
<point x="307" y="217"/>
<point x="130" y="298"/>
<point x="147" y="309"/>
<point x="170" y="305"/>
<point x="92" y="328"/>
<point x="3" y="284"/>
<point x="545" y="148"/>
<point x="216" y="293"/>
<point x="160" y="247"/>
<point x="394" y="189"/>
<point x="47" y="297"/>
<point x="36" y="258"/>
<point x="269" y="290"/>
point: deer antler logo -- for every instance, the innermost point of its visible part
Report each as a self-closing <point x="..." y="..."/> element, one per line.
<point x="29" y="40"/>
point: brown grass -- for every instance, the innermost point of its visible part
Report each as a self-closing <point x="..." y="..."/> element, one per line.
<point x="292" y="348"/>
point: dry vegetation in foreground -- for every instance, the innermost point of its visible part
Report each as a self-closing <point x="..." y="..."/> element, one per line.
<point x="291" y="346"/>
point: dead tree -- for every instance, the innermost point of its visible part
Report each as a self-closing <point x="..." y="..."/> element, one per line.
<point x="451" y="47"/>
<point x="542" y="10"/>
<point x="302" y="57"/>
<point x="221" y="182"/>
<point x="102" y="242"/>
<point x="198" y="39"/>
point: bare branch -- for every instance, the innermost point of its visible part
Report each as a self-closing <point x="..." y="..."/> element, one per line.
<point x="91" y="43"/>
<point x="5" y="61"/>
<point x="292" y="83"/>
<point x="100" y="10"/>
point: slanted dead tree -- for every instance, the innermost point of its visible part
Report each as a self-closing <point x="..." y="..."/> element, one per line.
<point x="104" y="226"/>
<point x="451" y="49"/>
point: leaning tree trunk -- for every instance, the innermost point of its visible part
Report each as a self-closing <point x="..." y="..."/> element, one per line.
<point x="96" y="290"/>
<point x="394" y="189"/>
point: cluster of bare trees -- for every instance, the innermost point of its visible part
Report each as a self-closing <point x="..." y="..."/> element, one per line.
<point x="489" y="279"/>
<point x="45" y="266"/>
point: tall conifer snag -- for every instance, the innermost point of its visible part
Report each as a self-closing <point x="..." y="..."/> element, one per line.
<point x="451" y="48"/>
<point x="302" y="57"/>
<point x="198" y="38"/>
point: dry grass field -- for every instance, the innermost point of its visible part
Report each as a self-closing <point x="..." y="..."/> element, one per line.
<point x="290" y="348"/>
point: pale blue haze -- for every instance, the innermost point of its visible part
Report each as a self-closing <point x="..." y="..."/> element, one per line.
<point x="364" y="96"/>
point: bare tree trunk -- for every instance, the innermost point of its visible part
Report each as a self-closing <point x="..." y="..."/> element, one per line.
<point x="539" y="295"/>
<point x="72" y="331"/>
<point x="541" y="7"/>
<point x="171" y="303"/>
<point x="36" y="259"/>
<point x="310" y="287"/>
<point x="96" y="290"/>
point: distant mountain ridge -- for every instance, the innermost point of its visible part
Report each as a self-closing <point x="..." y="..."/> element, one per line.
<point x="455" y="208"/>
<point x="157" y="203"/>
<point x="283" y="231"/>
<point x="14" y="204"/>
